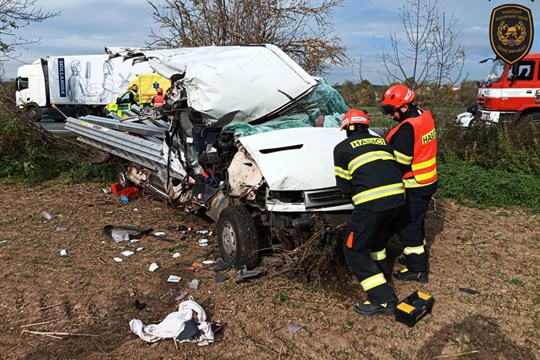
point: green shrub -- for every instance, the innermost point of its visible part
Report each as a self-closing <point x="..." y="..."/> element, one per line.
<point x="30" y="155"/>
<point x="475" y="186"/>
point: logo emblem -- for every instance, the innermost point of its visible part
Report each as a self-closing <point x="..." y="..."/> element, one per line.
<point x="511" y="32"/>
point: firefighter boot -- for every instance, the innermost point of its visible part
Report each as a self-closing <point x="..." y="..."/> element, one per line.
<point x="369" y="309"/>
<point x="408" y="275"/>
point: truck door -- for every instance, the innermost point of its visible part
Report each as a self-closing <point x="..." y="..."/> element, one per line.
<point x="30" y="86"/>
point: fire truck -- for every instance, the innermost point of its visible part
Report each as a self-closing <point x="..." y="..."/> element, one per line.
<point x="508" y="93"/>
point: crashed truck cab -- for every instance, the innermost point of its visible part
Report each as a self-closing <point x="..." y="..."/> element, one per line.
<point x="246" y="137"/>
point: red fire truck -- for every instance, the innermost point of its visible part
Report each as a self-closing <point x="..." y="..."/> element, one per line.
<point x="509" y="92"/>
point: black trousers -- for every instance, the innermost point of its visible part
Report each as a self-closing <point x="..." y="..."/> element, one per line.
<point x="409" y="224"/>
<point x="364" y="234"/>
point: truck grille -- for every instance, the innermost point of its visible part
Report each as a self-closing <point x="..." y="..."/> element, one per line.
<point x="325" y="197"/>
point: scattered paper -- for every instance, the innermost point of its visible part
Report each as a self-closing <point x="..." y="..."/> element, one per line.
<point x="173" y="278"/>
<point x="208" y="262"/>
<point x="63" y="252"/>
<point x="159" y="233"/>
<point x="117" y="259"/>
<point x="153" y="267"/>
<point x="139" y="249"/>
<point x="127" y="253"/>
<point x="61" y="229"/>
<point x="176" y="255"/>
<point x="3" y="241"/>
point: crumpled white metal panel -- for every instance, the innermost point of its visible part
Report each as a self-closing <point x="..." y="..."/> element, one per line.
<point x="229" y="84"/>
<point x="295" y="159"/>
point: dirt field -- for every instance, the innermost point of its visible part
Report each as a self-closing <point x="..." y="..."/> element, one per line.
<point x="88" y="298"/>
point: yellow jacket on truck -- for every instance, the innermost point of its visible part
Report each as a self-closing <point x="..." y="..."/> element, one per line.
<point x="148" y="85"/>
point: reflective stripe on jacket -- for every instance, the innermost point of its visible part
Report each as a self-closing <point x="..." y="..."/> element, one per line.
<point x="364" y="167"/>
<point x="424" y="160"/>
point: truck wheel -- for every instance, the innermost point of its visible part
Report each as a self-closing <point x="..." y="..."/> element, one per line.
<point x="121" y="174"/>
<point x="34" y="113"/>
<point x="80" y="111"/>
<point x="237" y="237"/>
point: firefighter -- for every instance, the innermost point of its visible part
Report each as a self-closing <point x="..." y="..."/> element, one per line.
<point x="364" y="169"/>
<point x="415" y="148"/>
<point x="158" y="100"/>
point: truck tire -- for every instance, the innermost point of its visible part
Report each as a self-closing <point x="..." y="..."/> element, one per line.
<point x="121" y="173"/>
<point x="80" y="111"/>
<point x="34" y="113"/>
<point x="237" y="237"/>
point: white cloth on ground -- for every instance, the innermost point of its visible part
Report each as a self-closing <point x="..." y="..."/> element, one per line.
<point x="173" y="324"/>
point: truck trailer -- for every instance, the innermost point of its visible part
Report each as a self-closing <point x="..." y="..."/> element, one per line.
<point x="77" y="85"/>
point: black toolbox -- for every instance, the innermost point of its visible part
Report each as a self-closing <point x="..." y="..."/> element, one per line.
<point x="414" y="307"/>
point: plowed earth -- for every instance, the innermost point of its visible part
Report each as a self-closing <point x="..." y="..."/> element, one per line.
<point x="78" y="306"/>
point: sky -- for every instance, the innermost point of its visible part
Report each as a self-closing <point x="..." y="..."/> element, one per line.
<point x="87" y="26"/>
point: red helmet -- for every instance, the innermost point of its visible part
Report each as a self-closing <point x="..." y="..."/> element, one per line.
<point x="354" y="116"/>
<point x="395" y="97"/>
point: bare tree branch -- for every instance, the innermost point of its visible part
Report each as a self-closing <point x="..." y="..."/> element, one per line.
<point x="15" y="15"/>
<point x="300" y="29"/>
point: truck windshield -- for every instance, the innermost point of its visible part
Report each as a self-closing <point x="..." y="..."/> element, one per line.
<point x="496" y="71"/>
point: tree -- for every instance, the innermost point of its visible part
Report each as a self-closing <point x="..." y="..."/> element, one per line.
<point x="300" y="29"/>
<point x="15" y="15"/>
<point x="431" y="55"/>
<point x="366" y="94"/>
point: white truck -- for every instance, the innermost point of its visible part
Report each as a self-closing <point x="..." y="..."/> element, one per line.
<point x="77" y="85"/>
<point x="245" y="137"/>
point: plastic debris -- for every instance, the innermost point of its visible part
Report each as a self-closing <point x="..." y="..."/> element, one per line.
<point x="127" y="253"/>
<point x="176" y="255"/>
<point x="194" y="284"/>
<point x="120" y="235"/>
<point x="118" y="259"/>
<point x="134" y="240"/>
<point x="3" y="241"/>
<point x="153" y="267"/>
<point x="139" y="305"/>
<point x="203" y="242"/>
<point x="244" y="273"/>
<point x="208" y="262"/>
<point x="292" y="327"/>
<point x="47" y="215"/>
<point x="182" y="295"/>
<point x="221" y="277"/>
<point x="61" y="229"/>
<point x="106" y="190"/>
<point x="202" y="232"/>
<point x="469" y="291"/>
<point x="63" y="252"/>
<point x="221" y="266"/>
<point x="174" y="278"/>
<point x="139" y="249"/>
<point x="159" y="233"/>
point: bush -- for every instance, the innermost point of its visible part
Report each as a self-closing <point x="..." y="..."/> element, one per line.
<point x="475" y="186"/>
<point x="31" y="155"/>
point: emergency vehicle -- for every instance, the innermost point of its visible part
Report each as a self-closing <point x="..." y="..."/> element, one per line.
<point x="148" y="85"/>
<point x="508" y="93"/>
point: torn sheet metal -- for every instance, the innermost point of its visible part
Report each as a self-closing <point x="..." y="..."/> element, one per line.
<point x="244" y="175"/>
<point x="229" y="84"/>
<point x="295" y="159"/>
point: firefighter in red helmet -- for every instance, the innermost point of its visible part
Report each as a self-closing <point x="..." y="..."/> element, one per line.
<point x="415" y="147"/>
<point x="365" y="169"/>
